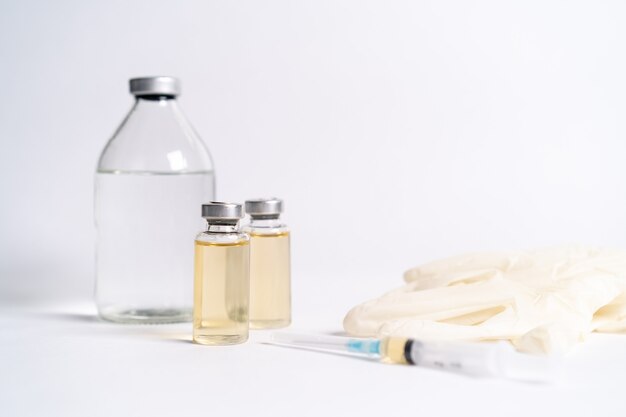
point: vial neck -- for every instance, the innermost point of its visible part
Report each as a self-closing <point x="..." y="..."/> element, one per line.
<point x="265" y="221"/>
<point x="222" y="227"/>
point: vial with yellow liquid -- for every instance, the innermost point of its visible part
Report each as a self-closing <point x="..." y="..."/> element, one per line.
<point x="270" y="269"/>
<point x="222" y="277"/>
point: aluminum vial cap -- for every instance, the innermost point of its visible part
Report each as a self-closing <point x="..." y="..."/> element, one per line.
<point x="264" y="207"/>
<point x="220" y="211"/>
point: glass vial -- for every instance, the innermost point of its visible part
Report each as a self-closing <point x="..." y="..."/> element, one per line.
<point x="151" y="178"/>
<point x="222" y="277"/>
<point x="270" y="266"/>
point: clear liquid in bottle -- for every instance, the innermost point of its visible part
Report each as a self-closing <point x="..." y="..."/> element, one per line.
<point x="144" y="263"/>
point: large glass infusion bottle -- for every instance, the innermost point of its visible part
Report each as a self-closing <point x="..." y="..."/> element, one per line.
<point x="151" y="178"/>
<point x="270" y="276"/>
<point x="222" y="277"/>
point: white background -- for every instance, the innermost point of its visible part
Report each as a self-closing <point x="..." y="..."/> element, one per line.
<point x="397" y="132"/>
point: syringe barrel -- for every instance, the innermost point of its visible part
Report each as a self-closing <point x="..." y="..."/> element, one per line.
<point x="467" y="358"/>
<point x="481" y="359"/>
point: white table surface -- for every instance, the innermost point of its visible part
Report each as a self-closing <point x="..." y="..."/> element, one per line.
<point x="58" y="359"/>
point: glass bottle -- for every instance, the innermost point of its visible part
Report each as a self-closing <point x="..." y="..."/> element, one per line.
<point x="151" y="177"/>
<point x="270" y="275"/>
<point x="222" y="277"/>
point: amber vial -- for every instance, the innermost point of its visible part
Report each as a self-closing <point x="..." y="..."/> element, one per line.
<point x="270" y="274"/>
<point x="222" y="277"/>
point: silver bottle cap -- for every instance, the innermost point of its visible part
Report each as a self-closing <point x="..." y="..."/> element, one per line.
<point x="264" y="207"/>
<point x="161" y="85"/>
<point x="217" y="210"/>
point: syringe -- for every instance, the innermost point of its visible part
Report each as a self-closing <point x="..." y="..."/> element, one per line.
<point x="475" y="359"/>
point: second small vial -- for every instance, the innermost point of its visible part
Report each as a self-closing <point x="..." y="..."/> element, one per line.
<point x="270" y="275"/>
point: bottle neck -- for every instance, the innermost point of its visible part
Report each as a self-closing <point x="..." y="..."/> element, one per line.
<point x="156" y="104"/>
<point x="155" y="97"/>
